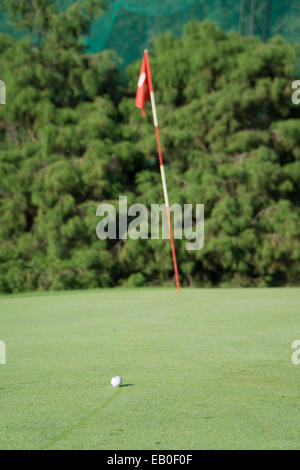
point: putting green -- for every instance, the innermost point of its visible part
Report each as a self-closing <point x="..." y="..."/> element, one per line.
<point x="210" y="368"/>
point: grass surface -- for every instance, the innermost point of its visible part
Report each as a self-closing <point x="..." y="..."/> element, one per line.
<point x="206" y="369"/>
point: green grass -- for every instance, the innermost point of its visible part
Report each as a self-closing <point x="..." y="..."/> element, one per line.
<point x="208" y="369"/>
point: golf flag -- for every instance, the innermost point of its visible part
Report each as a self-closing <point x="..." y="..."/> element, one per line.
<point x="143" y="92"/>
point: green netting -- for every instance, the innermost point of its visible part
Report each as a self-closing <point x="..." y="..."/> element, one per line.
<point x="129" y="26"/>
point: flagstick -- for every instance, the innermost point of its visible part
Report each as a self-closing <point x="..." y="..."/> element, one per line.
<point x="162" y="171"/>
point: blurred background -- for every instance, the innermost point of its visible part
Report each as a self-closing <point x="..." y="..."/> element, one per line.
<point x="130" y="26"/>
<point x="71" y="138"/>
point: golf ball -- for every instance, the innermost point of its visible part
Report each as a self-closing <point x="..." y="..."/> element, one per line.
<point x="116" y="381"/>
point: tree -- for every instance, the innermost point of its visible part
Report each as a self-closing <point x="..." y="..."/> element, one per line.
<point x="71" y="138"/>
<point x="56" y="140"/>
<point x="230" y="135"/>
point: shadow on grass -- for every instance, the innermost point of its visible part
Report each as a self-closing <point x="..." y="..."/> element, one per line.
<point x="126" y="385"/>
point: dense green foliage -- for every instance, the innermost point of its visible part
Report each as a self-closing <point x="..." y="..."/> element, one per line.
<point x="71" y="138"/>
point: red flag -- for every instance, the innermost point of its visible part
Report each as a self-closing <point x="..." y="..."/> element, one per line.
<point x="142" y="92"/>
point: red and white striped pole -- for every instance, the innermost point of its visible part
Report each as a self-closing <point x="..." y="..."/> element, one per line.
<point x="161" y="164"/>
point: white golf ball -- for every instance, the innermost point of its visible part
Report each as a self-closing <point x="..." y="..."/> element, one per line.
<point x="116" y="381"/>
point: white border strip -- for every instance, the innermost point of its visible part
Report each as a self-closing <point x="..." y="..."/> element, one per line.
<point x="153" y="109"/>
<point x="163" y="178"/>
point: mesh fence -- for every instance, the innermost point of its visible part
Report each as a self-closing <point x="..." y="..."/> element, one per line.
<point x="130" y="26"/>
